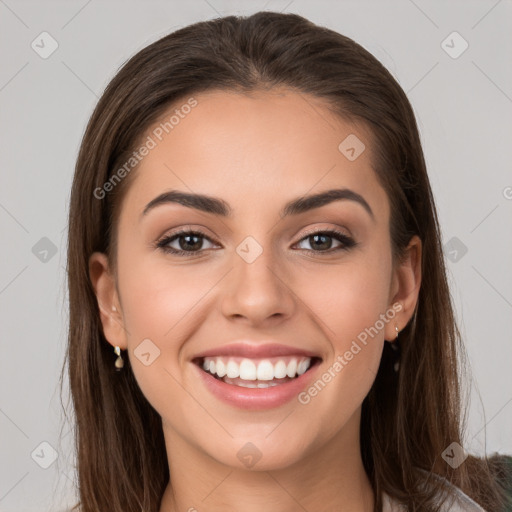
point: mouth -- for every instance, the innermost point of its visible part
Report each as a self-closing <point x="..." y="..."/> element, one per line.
<point x="257" y="373"/>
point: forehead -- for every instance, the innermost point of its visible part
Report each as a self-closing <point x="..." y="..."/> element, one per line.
<point x="274" y="145"/>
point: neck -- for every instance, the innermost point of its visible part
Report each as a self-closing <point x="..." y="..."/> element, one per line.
<point x="330" y="476"/>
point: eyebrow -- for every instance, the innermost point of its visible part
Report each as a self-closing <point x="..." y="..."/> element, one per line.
<point x="217" y="206"/>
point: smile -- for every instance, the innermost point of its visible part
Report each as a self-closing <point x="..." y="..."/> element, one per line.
<point x="249" y="383"/>
<point x="260" y="373"/>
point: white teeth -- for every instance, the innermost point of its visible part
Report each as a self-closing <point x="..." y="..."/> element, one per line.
<point x="269" y="385"/>
<point x="265" y="370"/>
<point x="232" y="370"/>
<point x="220" y="368"/>
<point x="260" y="370"/>
<point x="250" y="384"/>
<point x="303" y="366"/>
<point x="247" y="370"/>
<point x="291" y="369"/>
<point x="279" y="370"/>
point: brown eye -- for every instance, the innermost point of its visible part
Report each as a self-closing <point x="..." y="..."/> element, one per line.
<point x="189" y="243"/>
<point x="321" y="241"/>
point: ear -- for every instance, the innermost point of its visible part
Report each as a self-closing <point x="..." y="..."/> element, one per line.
<point x="405" y="287"/>
<point x="111" y="315"/>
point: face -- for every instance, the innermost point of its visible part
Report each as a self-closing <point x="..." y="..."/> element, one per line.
<point x="256" y="277"/>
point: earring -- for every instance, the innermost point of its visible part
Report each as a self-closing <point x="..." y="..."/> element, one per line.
<point x="395" y="345"/>
<point x="119" y="361"/>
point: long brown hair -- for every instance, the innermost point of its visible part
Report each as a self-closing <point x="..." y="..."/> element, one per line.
<point x="408" y="418"/>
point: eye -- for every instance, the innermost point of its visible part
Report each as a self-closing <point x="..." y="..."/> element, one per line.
<point x="323" y="240"/>
<point x="189" y="242"/>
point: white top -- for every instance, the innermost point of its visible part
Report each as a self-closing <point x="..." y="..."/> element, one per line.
<point x="460" y="502"/>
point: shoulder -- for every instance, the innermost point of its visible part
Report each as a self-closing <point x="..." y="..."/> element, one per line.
<point x="457" y="500"/>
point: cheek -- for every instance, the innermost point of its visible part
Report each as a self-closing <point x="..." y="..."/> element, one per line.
<point x="348" y="301"/>
<point x="346" y="298"/>
<point x="158" y="297"/>
<point x="161" y="303"/>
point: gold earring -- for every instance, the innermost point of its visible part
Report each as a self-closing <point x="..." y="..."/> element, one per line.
<point x="119" y="361"/>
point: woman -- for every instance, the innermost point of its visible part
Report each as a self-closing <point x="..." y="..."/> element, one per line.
<point x="259" y="312"/>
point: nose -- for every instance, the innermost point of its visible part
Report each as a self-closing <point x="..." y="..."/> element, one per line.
<point x="258" y="292"/>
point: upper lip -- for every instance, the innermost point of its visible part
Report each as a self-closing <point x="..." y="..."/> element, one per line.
<point x="253" y="350"/>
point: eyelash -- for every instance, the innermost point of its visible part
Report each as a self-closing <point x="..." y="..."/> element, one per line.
<point x="347" y="242"/>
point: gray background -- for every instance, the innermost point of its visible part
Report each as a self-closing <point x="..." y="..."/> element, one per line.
<point x="463" y="106"/>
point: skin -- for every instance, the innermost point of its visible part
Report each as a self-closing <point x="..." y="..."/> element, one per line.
<point x="278" y="145"/>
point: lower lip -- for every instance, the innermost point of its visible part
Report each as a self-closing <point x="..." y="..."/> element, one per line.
<point x="257" y="398"/>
